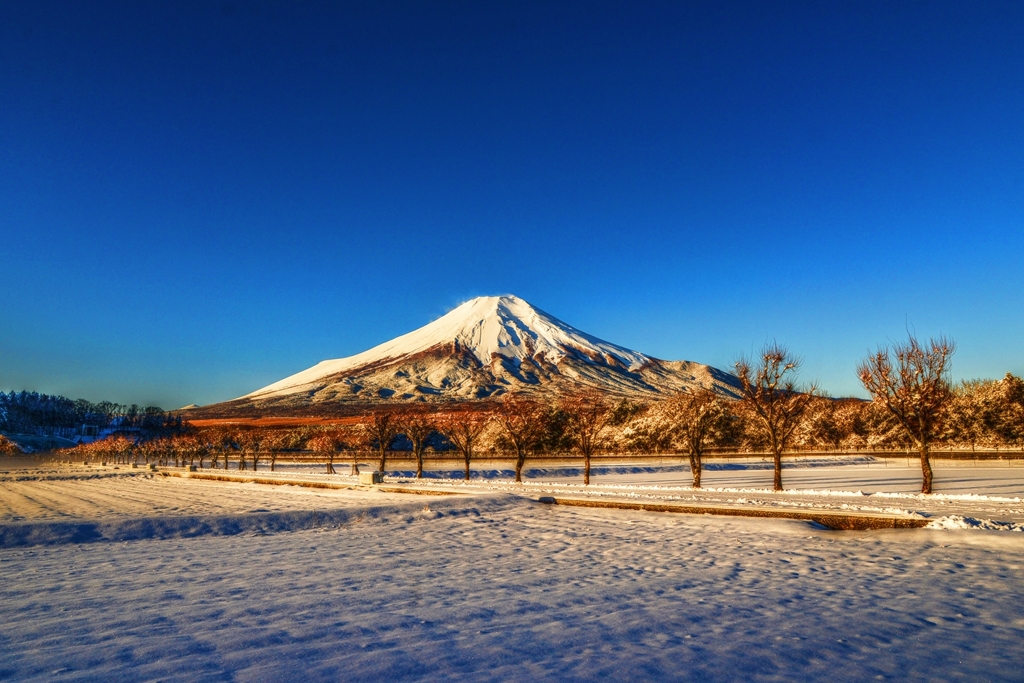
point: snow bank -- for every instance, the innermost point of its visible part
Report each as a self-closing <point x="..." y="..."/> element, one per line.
<point x="960" y="522"/>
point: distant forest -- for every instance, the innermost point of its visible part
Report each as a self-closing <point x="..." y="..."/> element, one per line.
<point x="43" y="414"/>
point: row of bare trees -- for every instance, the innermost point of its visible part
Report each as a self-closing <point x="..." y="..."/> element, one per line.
<point x="913" y="402"/>
<point x="586" y="423"/>
<point x="910" y="381"/>
<point x="521" y="422"/>
<point x="914" y="406"/>
<point x="247" y="447"/>
<point x="519" y="426"/>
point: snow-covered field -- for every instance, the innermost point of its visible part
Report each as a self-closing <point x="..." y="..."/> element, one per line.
<point x="988" y="493"/>
<point x="233" y="581"/>
<point x="110" y="495"/>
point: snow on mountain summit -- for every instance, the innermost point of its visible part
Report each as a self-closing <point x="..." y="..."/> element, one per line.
<point x="488" y="327"/>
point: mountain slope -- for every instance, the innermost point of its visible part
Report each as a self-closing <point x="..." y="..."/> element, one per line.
<point x="483" y="348"/>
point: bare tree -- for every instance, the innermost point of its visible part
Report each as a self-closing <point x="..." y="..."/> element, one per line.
<point x="769" y="391"/>
<point x="238" y="449"/>
<point x="250" y="442"/>
<point x="463" y="428"/>
<point x="353" y="435"/>
<point x="698" y="418"/>
<point x="202" y="449"/>
<point x="321" y="444"/>
<point x="154" y="449"/>
<point x="587" y="414"/>
<point x="380" y="431"/>
<point x="123" y="449"/>
<point x="911" y="381"/>
<point x="274" y="442"/>
<point x="175" y="448"/>
<point x="327" y="445"/>
<point x="340" y="445"/>
<point x="222" y="443"/>
<point x="523" y="423"/>
<point x="189" y="447"/>
<point x="417" y="424"/>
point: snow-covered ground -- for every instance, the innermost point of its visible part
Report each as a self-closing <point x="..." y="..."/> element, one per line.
<point x="494" y="586"/>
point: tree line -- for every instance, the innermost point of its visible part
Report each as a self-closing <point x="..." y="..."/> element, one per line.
<point x="27" y="412"/>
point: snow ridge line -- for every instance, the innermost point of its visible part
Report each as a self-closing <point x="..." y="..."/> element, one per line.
<point x="832" y="520"/>
<point x="24" y="534"/>
<point x="283" y="481"/>
<point x="71" y="476"/>
<point x="626" y="489"/>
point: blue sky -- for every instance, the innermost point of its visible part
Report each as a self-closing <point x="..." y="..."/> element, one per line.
<point x="197" y="199"/>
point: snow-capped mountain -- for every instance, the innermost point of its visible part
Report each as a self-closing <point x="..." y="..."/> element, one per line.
<point x="483" y="348"/>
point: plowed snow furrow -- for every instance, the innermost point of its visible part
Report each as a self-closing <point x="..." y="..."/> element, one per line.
<point x="145" y="496"/>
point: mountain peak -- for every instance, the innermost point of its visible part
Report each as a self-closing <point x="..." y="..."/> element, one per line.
<point x="484" y="307"/>
<point x="511" y="327"/>
<point x="481" y="348"/>
<point x="490" y="328"/>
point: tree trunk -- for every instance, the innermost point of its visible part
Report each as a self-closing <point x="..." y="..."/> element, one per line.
<point x="695" y="468"/>
<point x="777" y="455"/>
<point x="586" y="469"/>
<point x="330" y="464"/>
<point x="466" y="456"/>
<point x="926" y="470"/>
<point x="419" y="464"/>
<point x="355" y="465"/>
<point x="383" y="459"/>
<point x="520" y="461"/>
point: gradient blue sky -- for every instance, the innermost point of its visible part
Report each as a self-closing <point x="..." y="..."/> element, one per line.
<point x="197" y="199"/>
